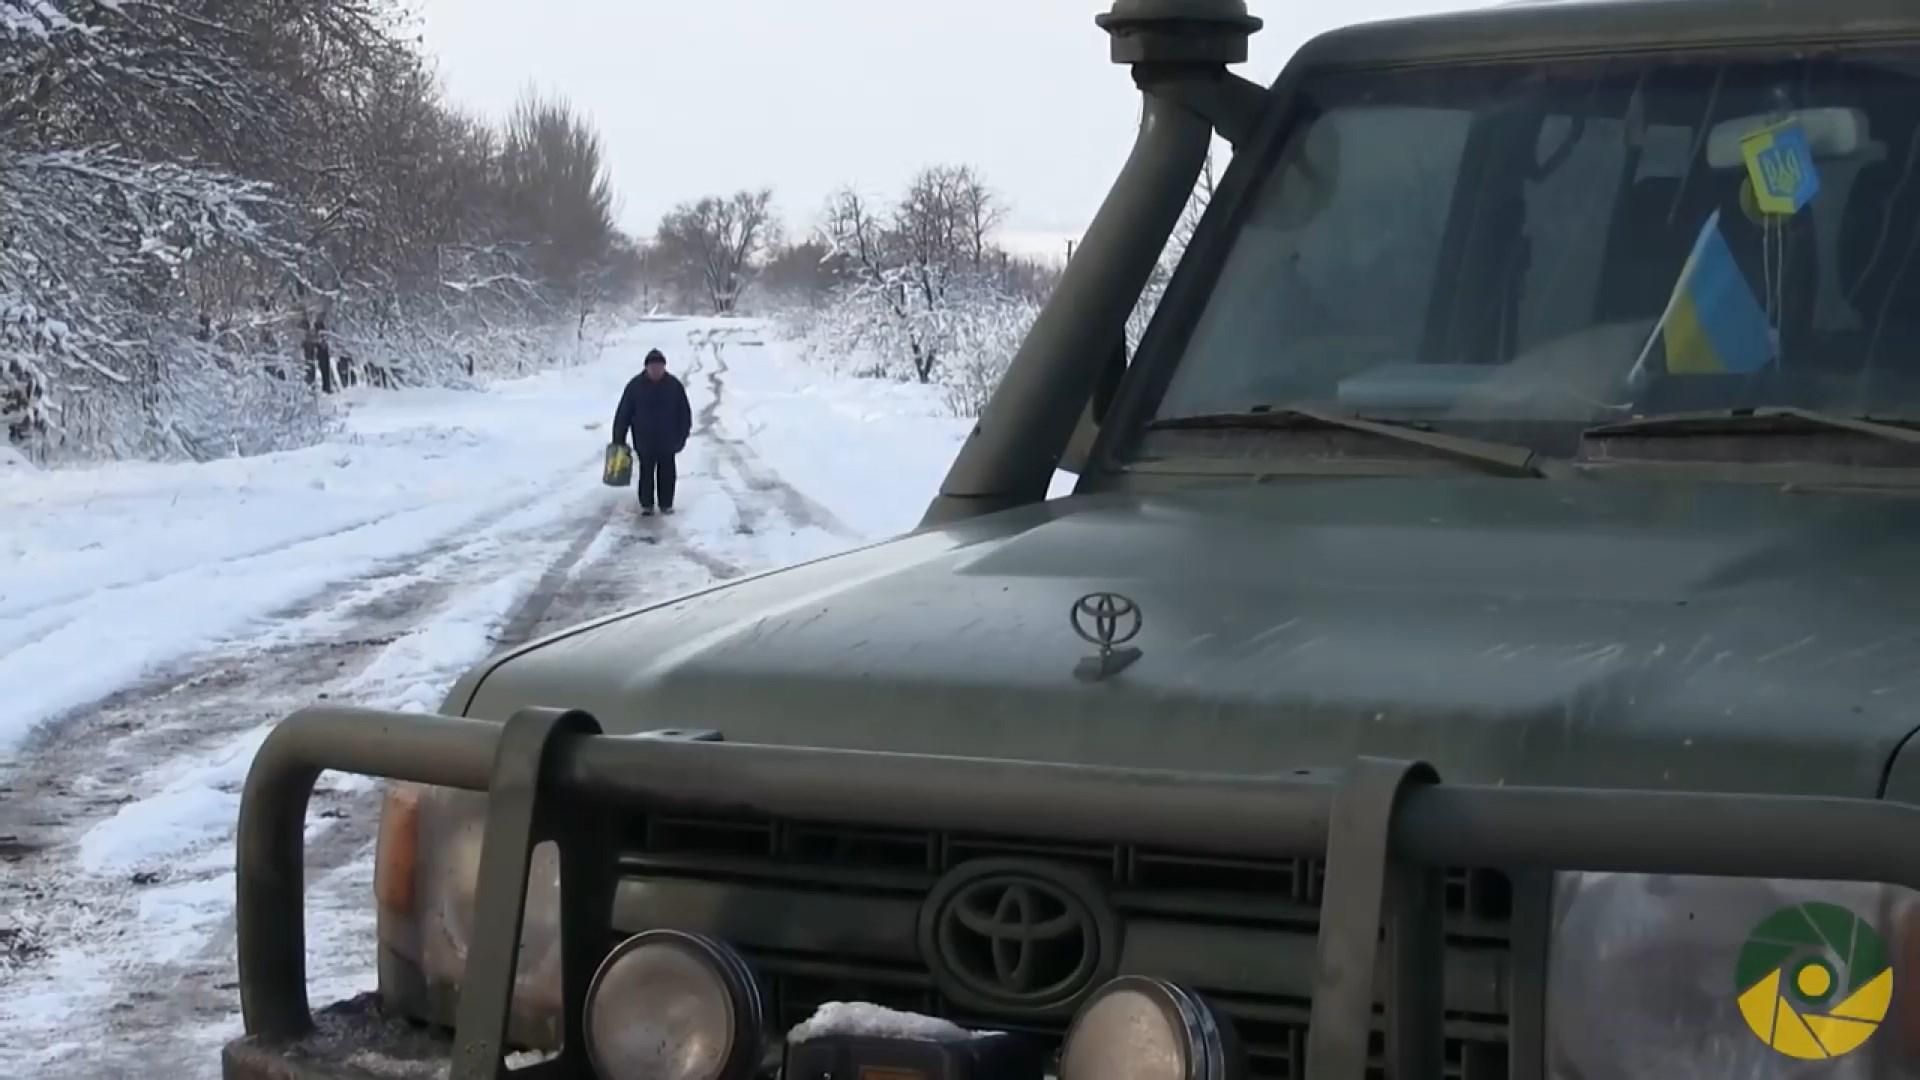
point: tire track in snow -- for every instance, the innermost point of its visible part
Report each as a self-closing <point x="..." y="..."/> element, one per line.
<point x="760" y="479"/>
<point x="518" y="627"/>
<point x="106" y="755"/>
<point x="183" y="1025"/>
<point x="409" y="575"/>
<point x="62" y="694"/>
<point x="86" y="597"/>
<point x="167" y="1014"/>
<point x="73" y="913"/>
<point x="313" y="642"/>
<point x="50" y="618"/>
<point x="199" y="1006"/>
<point x="179" y="1009"/>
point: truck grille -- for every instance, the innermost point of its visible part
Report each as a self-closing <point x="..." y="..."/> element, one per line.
<point x="1192" y="904"/>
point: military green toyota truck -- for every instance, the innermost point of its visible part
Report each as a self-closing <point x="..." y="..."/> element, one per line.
<point x="1483" y="640"/>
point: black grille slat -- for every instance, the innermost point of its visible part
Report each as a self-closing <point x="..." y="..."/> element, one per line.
<point x="1482" y="899"/>
<point x="875" y="849"/>
<point x="708" y="836"/>
<point x="795" y="997"/>
<point x="1197" y="889"/>
<point x="1103" y="860"/>
<point x="1219" y="908"/>
<point x="1291" y="879"/>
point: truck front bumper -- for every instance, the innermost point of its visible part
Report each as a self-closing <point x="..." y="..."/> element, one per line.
<point x="350" y="1040"/>
<point x="1384" y="829"/>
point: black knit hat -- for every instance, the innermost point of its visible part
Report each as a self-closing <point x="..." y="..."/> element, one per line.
<point x="655" y="356"/>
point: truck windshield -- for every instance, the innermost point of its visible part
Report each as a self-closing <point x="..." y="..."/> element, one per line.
<point x="1524" y="252"/>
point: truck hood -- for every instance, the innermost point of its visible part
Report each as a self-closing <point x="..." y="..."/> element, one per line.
<point x="1521" y="632"/>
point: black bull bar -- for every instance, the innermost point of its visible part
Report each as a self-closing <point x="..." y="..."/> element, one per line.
<point x="1384" y="828"/>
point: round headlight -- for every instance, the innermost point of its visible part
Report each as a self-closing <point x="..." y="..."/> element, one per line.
<point x="667" y="1005"/>
<point x="1137" y="1028"/>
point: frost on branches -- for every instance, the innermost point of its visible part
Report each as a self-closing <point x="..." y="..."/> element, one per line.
<point x="217" y="215"/>
<point x="921" y="292"/>
<point x="99" y="257"/>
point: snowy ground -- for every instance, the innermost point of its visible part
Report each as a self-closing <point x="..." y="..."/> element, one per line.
<point x="155" y="620"/>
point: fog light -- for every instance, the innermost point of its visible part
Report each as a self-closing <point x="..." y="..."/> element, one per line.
<point x="666" y="1005"/>
<point x="1137" y="1028"/>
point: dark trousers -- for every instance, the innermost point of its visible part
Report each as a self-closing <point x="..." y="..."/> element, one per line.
<point x="656" y="469"/>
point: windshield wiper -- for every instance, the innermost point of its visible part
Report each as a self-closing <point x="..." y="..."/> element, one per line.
<point x="1501" y="459"/>
<point x="1770" y="420"/>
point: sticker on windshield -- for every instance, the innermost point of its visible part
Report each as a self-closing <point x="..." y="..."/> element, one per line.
<point x="1814" y="981"/>
<point x="1780" y="165"/>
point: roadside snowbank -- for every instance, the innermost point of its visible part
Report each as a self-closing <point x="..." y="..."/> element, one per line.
<point x="873" y="450"/>
<point x="107" y="573"/>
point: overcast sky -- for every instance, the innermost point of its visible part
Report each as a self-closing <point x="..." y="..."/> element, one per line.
<point x="703" y="96"/>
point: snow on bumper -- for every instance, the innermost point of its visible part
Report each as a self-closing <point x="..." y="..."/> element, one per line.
<point x="356" y="1039"/>
<point x="359" y="1039"/>
<point x="352" y="1040"/>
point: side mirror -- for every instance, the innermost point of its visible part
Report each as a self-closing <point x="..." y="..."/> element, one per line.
<point x="1105" y="386"/>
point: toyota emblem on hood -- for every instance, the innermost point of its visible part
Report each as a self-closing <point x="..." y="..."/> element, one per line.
<point x="1107" y="620"/>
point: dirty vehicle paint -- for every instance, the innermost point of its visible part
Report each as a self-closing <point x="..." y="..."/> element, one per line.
<point x="1451" y="556"/>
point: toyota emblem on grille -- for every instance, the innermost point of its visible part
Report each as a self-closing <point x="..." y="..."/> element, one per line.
<point x="1017" y="935"/>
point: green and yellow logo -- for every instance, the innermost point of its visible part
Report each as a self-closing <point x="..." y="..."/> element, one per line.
<point x="1814" y="981"/>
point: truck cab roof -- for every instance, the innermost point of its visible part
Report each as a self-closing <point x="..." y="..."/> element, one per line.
<point x="1589" y="27"/>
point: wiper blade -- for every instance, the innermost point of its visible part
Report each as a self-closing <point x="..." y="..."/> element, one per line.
<point x="1771" y="420"/>
<point x="1501" y="459"/>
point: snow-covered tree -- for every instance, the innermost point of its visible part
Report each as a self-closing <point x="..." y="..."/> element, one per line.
<point x="921" y="292"/>
<point x="1176" y="249"/>
<point x="799" y="276"/>
<point x="988" y="330"/>
<point x="709" y="246"/>
<point x="918" y="268"/>
<point x="212" y="214"/>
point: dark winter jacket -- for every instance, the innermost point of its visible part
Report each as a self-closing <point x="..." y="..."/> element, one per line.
<point x="657" y="413"/>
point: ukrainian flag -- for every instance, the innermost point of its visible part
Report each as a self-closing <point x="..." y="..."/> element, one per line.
<point x="1714" y="325"/>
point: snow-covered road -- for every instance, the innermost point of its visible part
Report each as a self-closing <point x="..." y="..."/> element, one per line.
<point x="156" y="620"/>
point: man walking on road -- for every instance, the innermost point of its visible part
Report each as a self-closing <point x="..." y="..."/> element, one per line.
<point x="654" y="407"/>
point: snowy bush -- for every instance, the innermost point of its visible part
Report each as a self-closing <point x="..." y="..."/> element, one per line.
<point x="970" y="339"/>
<point x="917" y="291"/>
<point x="986" y="334"/>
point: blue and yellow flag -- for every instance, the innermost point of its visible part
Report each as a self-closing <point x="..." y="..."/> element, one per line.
<point x="1714" y="324"/>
